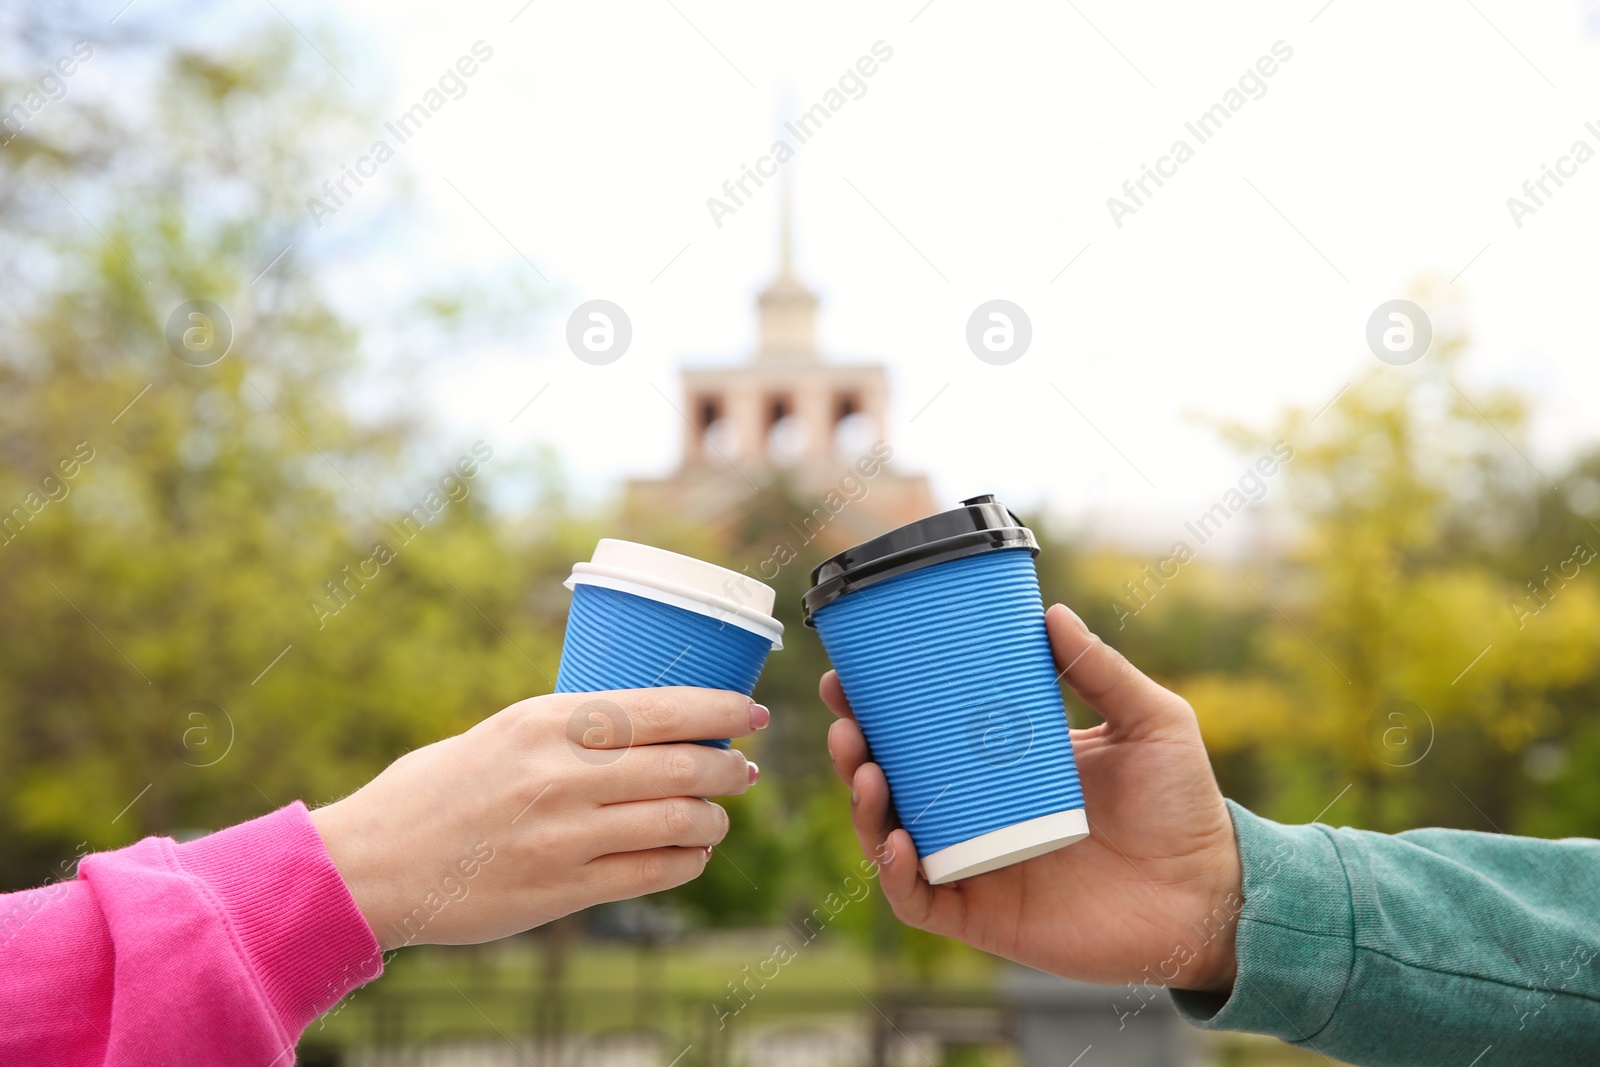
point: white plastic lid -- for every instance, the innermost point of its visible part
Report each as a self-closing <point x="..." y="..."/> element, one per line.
<point x="1005" y="846"/>
<point x="684" y="582"/>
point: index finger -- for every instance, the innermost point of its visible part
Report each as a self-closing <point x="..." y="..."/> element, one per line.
<point x="622" y="718"/>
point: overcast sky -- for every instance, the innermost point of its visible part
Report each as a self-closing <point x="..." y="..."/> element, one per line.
<point x="976" y="166"/>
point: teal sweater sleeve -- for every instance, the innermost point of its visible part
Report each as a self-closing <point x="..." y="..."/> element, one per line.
<point x="1427" y="947"/>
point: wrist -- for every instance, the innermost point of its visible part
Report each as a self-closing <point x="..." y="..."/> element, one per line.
<point x="1217" y="967"/>
<point x="354" y="862"/>
<point x="1216" y="964"/>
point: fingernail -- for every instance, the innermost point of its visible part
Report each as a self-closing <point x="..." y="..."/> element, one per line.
<point x="759" y="716"/>
<point x="855" y="797"/>
<point x="755" y="772"/>
<point x="1081" y="624"/>
<point x="708" y="852"/>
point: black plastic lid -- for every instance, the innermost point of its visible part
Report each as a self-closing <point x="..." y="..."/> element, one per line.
<point x="980" y="524"/>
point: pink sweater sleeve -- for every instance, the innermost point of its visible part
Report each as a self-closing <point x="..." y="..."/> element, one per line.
<point x="219" y="951"/>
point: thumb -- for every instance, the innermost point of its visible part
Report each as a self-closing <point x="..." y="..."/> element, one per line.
<point x="1129" y="701"/>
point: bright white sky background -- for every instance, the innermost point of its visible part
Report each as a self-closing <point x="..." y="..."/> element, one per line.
<point x="991" y="141"/>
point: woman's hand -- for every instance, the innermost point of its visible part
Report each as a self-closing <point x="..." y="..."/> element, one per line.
<point x="554" y="804"/>
<point x="1151" y="895"/>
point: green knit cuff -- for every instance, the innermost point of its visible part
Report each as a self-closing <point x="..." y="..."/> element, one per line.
<point x="1296" y="941"/>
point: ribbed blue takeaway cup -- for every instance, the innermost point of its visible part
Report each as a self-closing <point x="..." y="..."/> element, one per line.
<point x="936" y="630"/>
<point x="644" y="617"/>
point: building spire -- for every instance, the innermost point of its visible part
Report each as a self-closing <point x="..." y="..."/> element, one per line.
<point x="786" y="233"/>
<point x="788" y="310"/>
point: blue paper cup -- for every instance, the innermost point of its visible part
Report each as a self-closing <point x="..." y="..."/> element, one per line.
<point x="937" y="632"/>
<point x="644" y="617"/>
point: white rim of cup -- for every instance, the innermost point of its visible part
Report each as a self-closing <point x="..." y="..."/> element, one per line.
<point x="666" y="591"/>
<point x="1005" y="846"/>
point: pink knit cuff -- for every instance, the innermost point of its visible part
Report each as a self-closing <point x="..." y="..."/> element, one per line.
<point x="299" y="928"/>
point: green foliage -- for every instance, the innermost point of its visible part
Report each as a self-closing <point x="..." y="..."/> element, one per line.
<point x="208" y="507"/>
<point x="1411" y="528"/>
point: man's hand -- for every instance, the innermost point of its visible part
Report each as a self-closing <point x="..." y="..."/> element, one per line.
<point x="554" y="804"/>
<point x="1151" y="895"/>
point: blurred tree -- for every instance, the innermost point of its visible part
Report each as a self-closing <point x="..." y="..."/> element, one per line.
<point x="162" y="667"/>
<point x="1401" y="495"/>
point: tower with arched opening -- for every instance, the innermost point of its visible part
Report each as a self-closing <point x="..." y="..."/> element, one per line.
<point x="786" y="415"/>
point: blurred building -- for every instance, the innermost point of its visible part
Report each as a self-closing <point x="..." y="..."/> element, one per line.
<point x="786" y="430"/>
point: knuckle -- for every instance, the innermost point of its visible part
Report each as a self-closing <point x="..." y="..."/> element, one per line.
<point x="903" y="912"/>
<point x="656" y="711"/>
<point x="526" y="795"/>
<point x="530" y="723"/>
<point x="1122" y="668"/>
<point x="1114" y="669"/>
<point x="681" y="769"/>
<point x="652" y="868"/>
<point x="598" y="723"/>
<point x="679" y="821"/>
<point x="540" y="843"/>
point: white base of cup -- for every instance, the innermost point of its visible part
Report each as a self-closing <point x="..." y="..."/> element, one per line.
<point x="1005" y="846"/>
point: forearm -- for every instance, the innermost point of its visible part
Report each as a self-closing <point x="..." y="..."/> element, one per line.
<point x="218" y="951"/>
<point x="1421" y="948"/>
